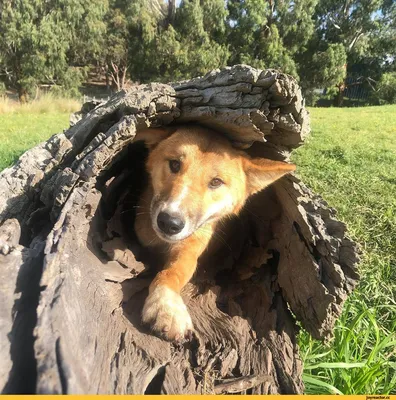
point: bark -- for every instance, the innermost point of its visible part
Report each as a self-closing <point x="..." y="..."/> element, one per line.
<point x="118" y="75"/>
<point x="66" y="215"/>
<point x="339" y="99"/>
<point x="171" y="12"/>
<point x="22" y="95"/>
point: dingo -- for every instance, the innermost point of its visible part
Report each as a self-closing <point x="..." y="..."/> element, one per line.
<point x="196" y="178"/>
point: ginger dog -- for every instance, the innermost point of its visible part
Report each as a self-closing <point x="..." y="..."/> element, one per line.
<point x="196" y="178"/>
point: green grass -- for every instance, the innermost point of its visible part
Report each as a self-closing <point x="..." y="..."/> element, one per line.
<point x="21" y="131"/>
<point x="350" y="159"/>
<point x="22" y="126"/>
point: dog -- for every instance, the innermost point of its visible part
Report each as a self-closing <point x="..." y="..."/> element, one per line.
<point x="196" y="179"/>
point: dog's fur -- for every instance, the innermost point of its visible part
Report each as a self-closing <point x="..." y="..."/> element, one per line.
<point x="197" y="177"/>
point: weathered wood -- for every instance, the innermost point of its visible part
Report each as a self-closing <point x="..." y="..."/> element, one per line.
<point x="75" y="194"/>
<point x="21" y="270"/>
<point x="10" y="260"/>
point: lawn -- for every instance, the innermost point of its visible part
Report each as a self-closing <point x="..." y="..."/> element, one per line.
<point x="350" y="159"/>
<point x="23" y="126"/>
<point x="19" y="132"/>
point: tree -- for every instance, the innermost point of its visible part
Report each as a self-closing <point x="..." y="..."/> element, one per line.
<point x="386" y="88"/>
<point x="40" y="39"/>
<point x="169" y="42"/>
<point x="269" y="34"/>
<point x="319" y="42"/>
<point x="379" y="59"/>
<point x="351" y="25"/>
<point x="321" y="66"/>
<point x="117" y="43"/>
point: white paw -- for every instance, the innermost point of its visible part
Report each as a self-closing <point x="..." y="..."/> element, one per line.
<point x="167" y="314"/>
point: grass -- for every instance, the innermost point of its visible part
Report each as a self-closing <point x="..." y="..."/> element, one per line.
<point x="24" y="126"/>
<point x="44" y="105"/>
<point x="350" y="159"/>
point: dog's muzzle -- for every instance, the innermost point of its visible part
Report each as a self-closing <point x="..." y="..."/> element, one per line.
<point x="170" y="224"/>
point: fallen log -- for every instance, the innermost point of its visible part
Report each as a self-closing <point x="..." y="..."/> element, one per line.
<point x="74" y="279"/>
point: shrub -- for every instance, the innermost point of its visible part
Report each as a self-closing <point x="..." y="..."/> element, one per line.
<point x="386" y="89"/>
<point x="2" y="89"/>
<point x="69" y="83"/>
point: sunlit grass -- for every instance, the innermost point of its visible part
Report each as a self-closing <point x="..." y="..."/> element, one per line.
<point x="21" y="131"/>
<point x="350" y="159"/>
<point x="22" y="126"/>
<point x="44" y="105"/>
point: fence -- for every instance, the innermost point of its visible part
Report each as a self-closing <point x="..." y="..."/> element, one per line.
<point x="358" y="92"/>
<point x="86" y="98"/>
<point x="356" y="89"/>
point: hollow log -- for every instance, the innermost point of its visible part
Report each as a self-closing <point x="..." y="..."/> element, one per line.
<point x="74" y="278"/>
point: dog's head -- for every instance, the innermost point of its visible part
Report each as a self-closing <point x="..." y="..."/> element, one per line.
<point x="198" y="178"/>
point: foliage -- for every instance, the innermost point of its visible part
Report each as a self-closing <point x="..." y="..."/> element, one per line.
<point x="69" y="83"/>
<point x="164" y="48"/>
<point x="41" y="40"/>
<point x="386" y="89"/>
<point x="349" y="23"/>
<point x="326" y="70"/>
<point x="320" y="42"/>
<point x="268" y="34"/>
<point x="357" y="26"/>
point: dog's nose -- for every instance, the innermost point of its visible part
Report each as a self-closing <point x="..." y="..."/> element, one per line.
<point x="170" y="224"/>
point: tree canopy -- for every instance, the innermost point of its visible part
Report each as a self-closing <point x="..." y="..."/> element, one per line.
<point x="42" y="40"/>
<point x="320" y="42"/>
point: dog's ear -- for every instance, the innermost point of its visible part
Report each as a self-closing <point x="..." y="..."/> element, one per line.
<point x="153" y="136"/>
<point x="261" y="172"/>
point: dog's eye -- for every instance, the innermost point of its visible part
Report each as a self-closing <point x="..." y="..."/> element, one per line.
<point x="215" y="183"/>
<point x="174" y="166"/>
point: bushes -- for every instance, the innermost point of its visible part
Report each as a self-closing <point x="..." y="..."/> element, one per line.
<point x="69" y="83"/>
<point x="386" y="89"/>
<point x="2" y="89"/>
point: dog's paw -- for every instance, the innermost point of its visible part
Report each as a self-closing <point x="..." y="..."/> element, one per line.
<point x="167" y="314"/>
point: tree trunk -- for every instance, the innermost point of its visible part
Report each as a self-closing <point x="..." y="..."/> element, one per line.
<point x="76" y="277"/>
<point x="171" y="12"/>
<point x="339" y="99"/>
<point x="22" y="95"/>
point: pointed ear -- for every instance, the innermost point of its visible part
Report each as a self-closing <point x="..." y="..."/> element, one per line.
<point x="153" y="136"/>
<point x="261" y="172"/>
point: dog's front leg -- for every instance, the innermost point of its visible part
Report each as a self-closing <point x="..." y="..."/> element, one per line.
<point x="164" y="308"/>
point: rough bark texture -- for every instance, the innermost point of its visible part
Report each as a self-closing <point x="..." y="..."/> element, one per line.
<point x="73" y="278"/>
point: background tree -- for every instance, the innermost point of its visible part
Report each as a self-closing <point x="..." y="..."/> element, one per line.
<point x="320" y="42"/>
<point x="352" y="25"/>
<point x="40" y="39"/>
<point x="178" y="43"/>
<point x="115" y="59"/>
<point x="269" y="34"/>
